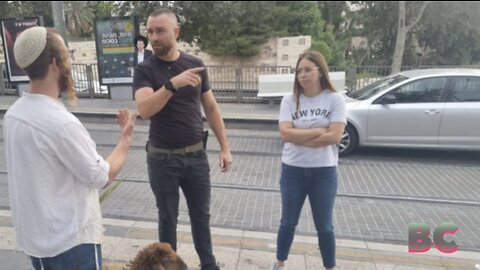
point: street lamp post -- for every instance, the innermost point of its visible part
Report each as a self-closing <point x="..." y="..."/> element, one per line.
<point x="59" y="18"/>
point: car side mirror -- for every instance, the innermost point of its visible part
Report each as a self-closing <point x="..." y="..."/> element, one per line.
<point x="387" y="99"/>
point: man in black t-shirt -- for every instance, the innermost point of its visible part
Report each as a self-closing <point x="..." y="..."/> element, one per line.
<point x="170" y="89"/>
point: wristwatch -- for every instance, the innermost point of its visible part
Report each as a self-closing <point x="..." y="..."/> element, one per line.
<point x="169" y="86"/>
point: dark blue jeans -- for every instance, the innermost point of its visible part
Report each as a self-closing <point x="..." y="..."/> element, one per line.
<point x="320" y="184"/>
<point x="81" y="257"/>
<point x="191" y="172"/>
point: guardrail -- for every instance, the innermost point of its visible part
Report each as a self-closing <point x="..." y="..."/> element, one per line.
<point x="229" y="83"/>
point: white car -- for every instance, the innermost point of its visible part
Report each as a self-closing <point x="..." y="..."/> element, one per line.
<point x="429" y="108"/>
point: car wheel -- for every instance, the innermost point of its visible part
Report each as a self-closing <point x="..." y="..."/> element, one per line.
<point x="348" y="142"/>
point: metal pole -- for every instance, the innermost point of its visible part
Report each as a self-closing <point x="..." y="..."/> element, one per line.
<point x="2" y="80"/>
<point x="59" y="19"/>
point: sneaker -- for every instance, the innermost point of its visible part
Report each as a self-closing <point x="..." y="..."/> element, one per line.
<point x="278" y="267"/>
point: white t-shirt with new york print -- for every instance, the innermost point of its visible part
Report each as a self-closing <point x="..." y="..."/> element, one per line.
<point x="314" y="112"/>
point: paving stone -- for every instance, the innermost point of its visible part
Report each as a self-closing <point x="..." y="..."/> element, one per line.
<point x="12" y="260"/>
<point x="261" y="260"/>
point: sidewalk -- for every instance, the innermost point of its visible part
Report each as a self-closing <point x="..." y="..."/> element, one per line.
<point x="106" y="107"/>
<point x="248" y="250"/>
<point x="235" y="249"/>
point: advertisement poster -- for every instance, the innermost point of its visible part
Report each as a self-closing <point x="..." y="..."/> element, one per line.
<point x="115" y="49"/>
<point x="11" y="28"/>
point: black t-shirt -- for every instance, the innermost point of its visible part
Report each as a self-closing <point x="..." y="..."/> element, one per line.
<point x="179" y="123"/>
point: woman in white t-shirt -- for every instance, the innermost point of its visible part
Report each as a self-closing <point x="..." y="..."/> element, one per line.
<point x="311" y="123"/>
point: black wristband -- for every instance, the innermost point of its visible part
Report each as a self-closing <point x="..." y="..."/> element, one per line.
<point x="169" y="86"/>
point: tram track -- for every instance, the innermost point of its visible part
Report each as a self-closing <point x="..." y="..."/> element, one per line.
<point x="389" y="197"/>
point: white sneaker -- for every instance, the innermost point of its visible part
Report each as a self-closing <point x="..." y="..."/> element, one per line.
<point x="278" y="267"/>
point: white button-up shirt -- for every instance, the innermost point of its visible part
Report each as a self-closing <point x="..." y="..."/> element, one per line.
<point x="54" y="173"/>
<point x="140" y="56"/>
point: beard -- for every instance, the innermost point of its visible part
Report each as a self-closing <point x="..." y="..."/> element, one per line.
<point x="162" y="50"/>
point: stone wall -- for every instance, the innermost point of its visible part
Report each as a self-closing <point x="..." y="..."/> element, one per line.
<point x="276" y="52"/>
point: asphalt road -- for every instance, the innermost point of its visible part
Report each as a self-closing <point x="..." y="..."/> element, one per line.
<point x="380" y="191"/>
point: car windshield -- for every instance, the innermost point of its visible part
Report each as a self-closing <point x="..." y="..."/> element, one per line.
<point x="372" y="89"/>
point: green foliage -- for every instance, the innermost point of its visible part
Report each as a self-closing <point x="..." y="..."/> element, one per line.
<point x="140" y="9"/>
<point x="241" y="28"/>
<point x="299" y="18"/>
<point x="13" y="9"/>
<point x="336" y="28"/>
<point x="379" y="19"/>
<point x="235" y="29"/>
<point x="5" y="9"/>
<point x="323" y="48"/>
<point x="333" y="14"/>
<point x="102" y="9"/>
<point x="79" y="18"/>
<point x="450" y="33"/>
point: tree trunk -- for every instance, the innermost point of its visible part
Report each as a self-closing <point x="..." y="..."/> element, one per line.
<point x="402" y="30"/>
<point x="400" y="41"/>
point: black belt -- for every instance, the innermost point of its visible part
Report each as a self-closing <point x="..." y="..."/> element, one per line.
<point x="181" y="151"/>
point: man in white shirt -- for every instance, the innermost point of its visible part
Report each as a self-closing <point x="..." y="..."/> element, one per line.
<point x="54" y="170"/>
<point x="141" y="43"/>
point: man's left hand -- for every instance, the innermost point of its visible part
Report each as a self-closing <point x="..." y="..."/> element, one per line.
<point x="225" y="160"/>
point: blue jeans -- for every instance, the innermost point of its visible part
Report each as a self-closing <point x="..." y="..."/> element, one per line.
<point x="320" y="184"/>
<point x="191" y="172"/>
<point x="81" y="257"/>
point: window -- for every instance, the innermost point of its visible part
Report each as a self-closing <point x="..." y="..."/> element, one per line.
<point x="285" y="42"/>
<point x="285" y="57"/>
<point x="465" y="89"/>
<point x="421" y="91"/>
<point x="301" y="41"/>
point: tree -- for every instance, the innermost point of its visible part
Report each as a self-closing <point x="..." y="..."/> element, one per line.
<point x="305" y="18"/>
<point x="237" y="28"/>
<point x="29" y="9"/>
<point x="333" y="13"/>
<point x="102" y="9"/>
<point x="408" y="17"/>
<point x="140" y="9"/>
<point x="6" y="9"/>
<point x="449" y="34"/>
<point x="299" y="18"/>
<point x="337" y="29"/>
<point x="375" y="20"/>
<point x="79" y="18"/>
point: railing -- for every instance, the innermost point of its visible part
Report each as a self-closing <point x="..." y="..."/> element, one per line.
<point x="229" y="83"/>
<point x="6" y="87"/>
<point x="239" y="84"/>
<point x="87" y="83"/>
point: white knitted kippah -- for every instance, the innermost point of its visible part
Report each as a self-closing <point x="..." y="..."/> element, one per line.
<point x="29" y="45"/>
